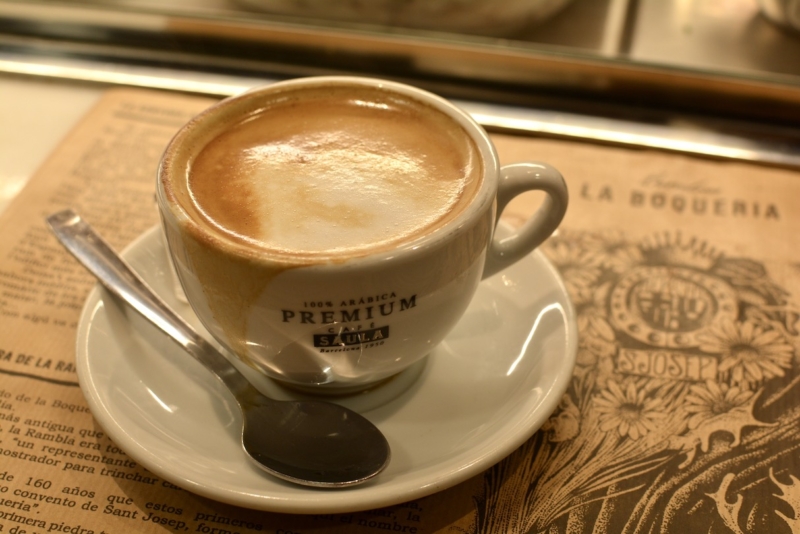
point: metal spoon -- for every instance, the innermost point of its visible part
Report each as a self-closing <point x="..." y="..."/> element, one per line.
<point x="314" y="443"/>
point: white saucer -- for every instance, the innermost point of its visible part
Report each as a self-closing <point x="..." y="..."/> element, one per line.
<point x="484" y="391"/>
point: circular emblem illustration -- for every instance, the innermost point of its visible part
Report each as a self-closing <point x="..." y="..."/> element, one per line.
<point x="665" y="306"/>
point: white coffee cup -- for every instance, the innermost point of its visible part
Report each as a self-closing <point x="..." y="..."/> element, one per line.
<point x="332" y="322"/>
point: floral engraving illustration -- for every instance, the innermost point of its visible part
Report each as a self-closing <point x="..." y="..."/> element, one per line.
<point x="683" y="414"/>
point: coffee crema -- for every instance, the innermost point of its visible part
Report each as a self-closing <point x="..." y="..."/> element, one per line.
<point x="336" y="171"/>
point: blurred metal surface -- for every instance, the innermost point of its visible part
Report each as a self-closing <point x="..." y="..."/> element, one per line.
<point x="600" y="54"/>
<point x="716" y="35"/>
<point x="721" y="142"/>
<point x="707" y="77"/>
<point x="784" y="13"/>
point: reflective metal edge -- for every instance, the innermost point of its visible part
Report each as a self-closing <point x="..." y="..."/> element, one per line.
<point x="494" y="117"/>
<point x="414" y="53"/>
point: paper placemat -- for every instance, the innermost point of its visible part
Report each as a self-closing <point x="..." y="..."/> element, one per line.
<point x="682" y="415"/>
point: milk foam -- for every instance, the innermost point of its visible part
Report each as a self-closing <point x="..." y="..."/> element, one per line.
<point x="336" y="176"/>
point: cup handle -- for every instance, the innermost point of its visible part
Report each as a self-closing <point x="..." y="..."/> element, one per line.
<point x="514" y="180"/>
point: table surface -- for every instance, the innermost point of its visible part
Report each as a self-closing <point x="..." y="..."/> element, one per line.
<point x="36" y="115"/>
<point x="644" y="227"/>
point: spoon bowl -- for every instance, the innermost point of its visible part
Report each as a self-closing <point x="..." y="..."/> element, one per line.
<point x="323" y="435"/>
<point x="311" y="442"/>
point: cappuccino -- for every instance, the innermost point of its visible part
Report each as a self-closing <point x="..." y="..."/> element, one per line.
<point x="335" y="171"/>
<point x="329" y="232"/>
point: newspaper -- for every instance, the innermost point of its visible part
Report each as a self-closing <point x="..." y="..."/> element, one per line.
<point x="682" y="414"/>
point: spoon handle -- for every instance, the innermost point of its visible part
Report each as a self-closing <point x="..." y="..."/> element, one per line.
<point x="118" y="277"/>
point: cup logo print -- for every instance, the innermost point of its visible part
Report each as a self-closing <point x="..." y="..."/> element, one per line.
<point x="354" y="323"/>
<point x="682" y="414"/>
